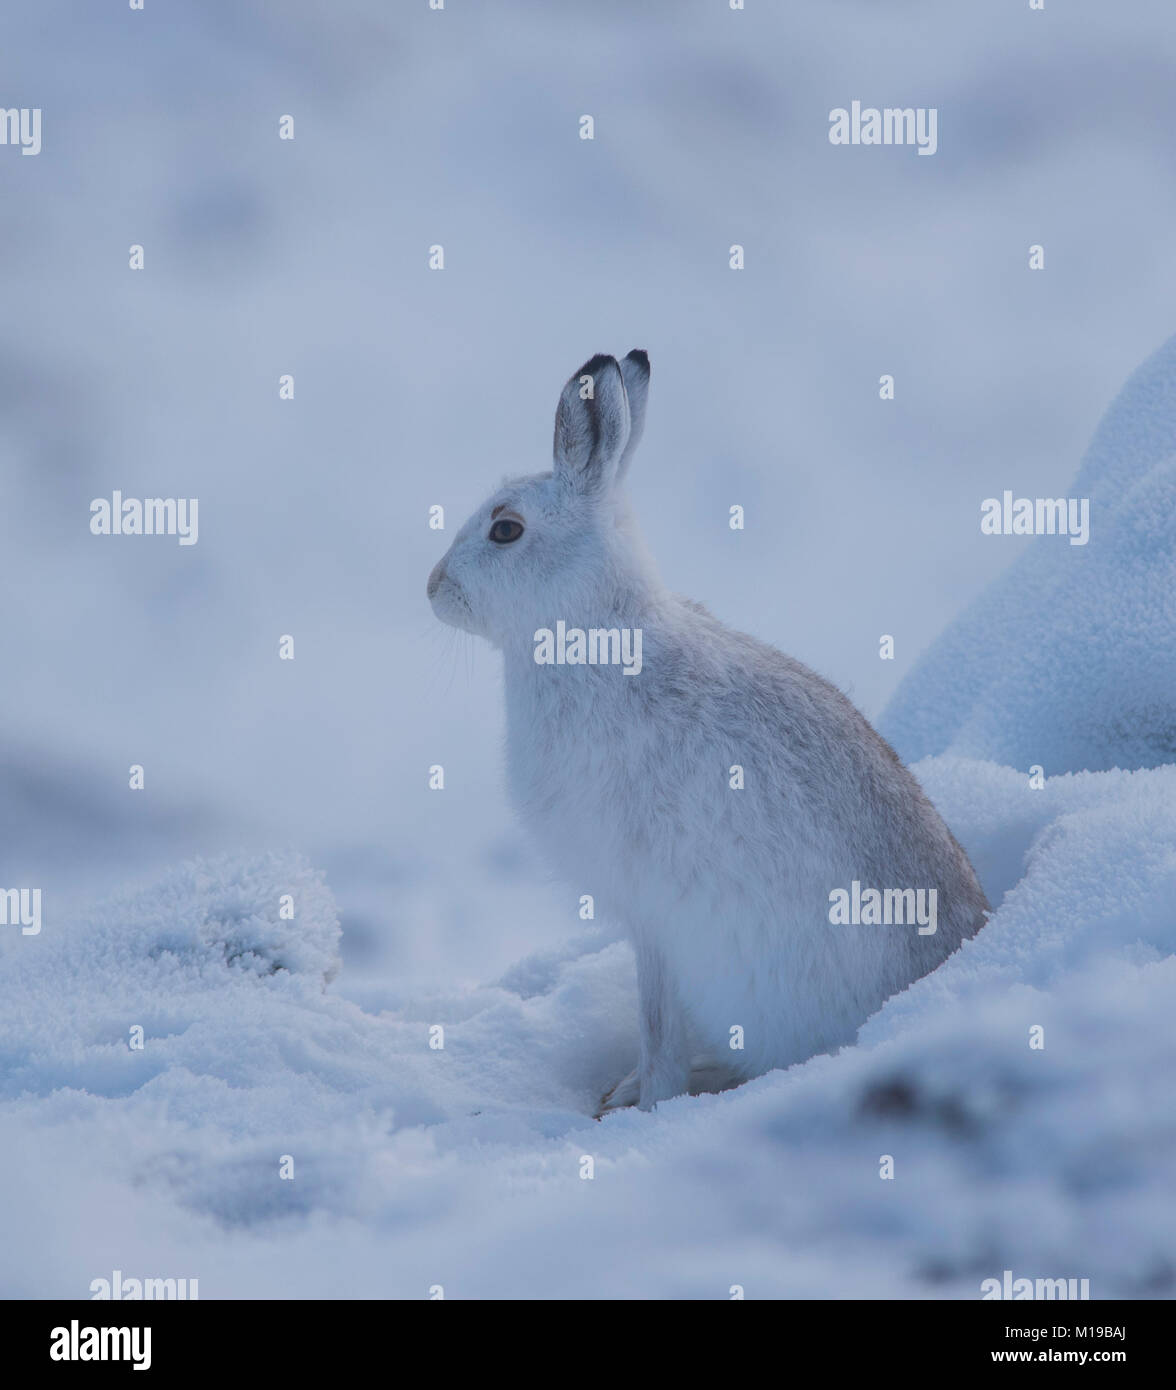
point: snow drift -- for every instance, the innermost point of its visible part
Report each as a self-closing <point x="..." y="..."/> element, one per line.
<point x="1069" y="660"/>
<point x="462" y="1165"/>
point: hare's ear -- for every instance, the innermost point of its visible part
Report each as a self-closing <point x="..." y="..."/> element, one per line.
<point x="592" y="426"/>
<point x="635" y="373"/>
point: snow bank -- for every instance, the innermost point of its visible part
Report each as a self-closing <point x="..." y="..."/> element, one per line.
<point x="462" y="1166"/>
<point x="245" y="1055"/>
<point x="1069" y="659"/>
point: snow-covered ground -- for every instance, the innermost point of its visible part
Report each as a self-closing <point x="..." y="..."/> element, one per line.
<point x="1022" y="1091"/>
<point x="308" y="1038"/>
<point x="463" y="1165"/>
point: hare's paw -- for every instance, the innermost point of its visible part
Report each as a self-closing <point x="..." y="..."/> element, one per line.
<point x="625" y="1092"/>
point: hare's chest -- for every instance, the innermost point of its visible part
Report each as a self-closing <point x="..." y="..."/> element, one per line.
<point x="575" y="778"/>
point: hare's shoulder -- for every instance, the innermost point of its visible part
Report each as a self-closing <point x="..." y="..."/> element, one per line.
<point x="734" y="659"/>
<point x="695" y="607"/>
<point x="753" y="687"/>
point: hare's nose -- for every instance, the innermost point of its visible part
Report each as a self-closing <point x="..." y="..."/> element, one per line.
<point x="435" y="578"/>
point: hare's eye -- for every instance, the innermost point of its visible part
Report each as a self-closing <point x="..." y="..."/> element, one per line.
<point x="505" y="530"/>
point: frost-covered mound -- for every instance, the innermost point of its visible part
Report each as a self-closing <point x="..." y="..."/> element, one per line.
<point x="1069" y="659"/>
<point x="416" y="1165"/>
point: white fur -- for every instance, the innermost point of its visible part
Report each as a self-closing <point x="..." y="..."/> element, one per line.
<point x="624" y="780"/>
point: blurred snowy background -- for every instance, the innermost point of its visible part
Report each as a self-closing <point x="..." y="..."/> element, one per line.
<point x="412" y="388"/>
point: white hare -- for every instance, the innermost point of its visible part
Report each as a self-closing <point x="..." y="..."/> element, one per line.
<point x="713" y="795"/>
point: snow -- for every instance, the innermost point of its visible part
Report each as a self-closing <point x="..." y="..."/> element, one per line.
<point x="309" y="1037"/>
<point x="1093" y="626"/>
<point x="461" y="1166"/>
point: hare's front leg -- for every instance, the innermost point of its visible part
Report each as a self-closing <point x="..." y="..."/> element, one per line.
<point x="663" y="1068"/>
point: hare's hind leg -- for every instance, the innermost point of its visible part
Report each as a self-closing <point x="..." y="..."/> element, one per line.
<point x="706" y="1077"/>
<point x="626" y="1092"/>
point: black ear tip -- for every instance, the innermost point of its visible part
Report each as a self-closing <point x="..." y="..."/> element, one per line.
<point x="641" y="358"/>
<point x="597" y="364"/>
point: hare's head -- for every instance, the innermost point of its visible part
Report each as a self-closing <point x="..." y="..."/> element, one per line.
<point x="558" y="544"/>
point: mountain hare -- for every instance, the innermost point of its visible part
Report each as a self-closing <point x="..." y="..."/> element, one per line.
<point x="759" y="841"/>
